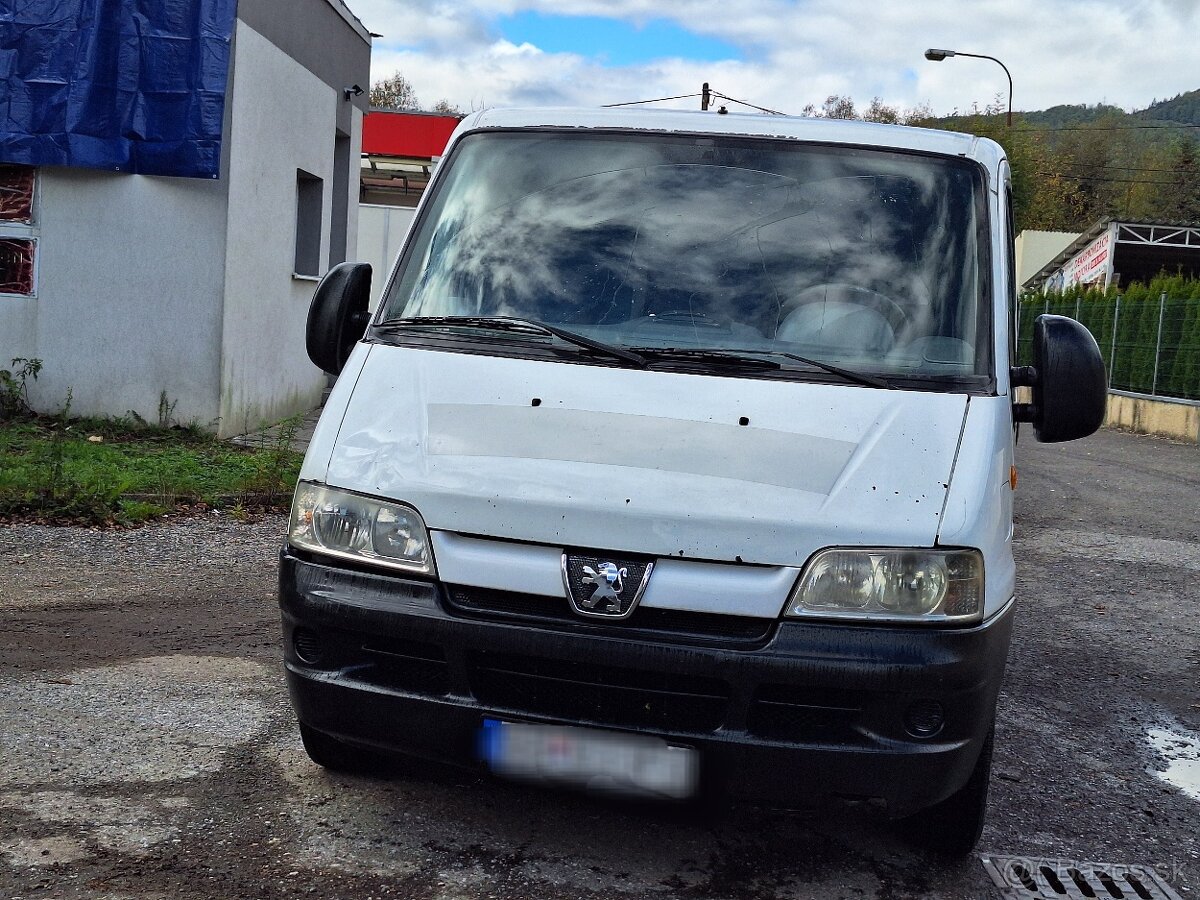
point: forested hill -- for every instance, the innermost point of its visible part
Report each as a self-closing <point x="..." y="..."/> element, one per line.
<point x="1181" y="110"/>
<point x="1073" y="165"/>
<point x="1184" y="109"/>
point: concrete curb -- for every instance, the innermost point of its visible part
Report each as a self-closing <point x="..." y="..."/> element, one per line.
<point x="1165" y="416"/>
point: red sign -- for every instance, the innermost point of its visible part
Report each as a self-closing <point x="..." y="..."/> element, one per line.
<point x="413" y="135"/>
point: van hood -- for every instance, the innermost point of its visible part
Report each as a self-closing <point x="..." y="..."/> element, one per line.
<point x="665" y="464"/>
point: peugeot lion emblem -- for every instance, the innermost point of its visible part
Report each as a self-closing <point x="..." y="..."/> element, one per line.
<point x="603" y="587"/>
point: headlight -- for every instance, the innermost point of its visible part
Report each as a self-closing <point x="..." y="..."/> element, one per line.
<point x="339" y="523"/>
<point x="901" y="585"/>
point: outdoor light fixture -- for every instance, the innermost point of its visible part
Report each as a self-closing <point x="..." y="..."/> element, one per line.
<point x="934" y="55"/>
<point x="353" y="91"/>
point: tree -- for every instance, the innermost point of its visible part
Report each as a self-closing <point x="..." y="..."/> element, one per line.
<point x="1181" y="201"/>
<point x="394" y="92"/>
<point x="836" y="107"/>
<point x="446" y="108"/>
<point x="879" y="111"/>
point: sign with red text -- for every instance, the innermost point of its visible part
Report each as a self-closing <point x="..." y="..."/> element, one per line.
<point x="1091" y="264"/>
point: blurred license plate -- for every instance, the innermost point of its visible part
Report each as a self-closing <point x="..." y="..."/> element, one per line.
<point x="630" y="764"/>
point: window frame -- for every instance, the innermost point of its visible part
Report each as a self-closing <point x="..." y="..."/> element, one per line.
<point x="26" y="231"/>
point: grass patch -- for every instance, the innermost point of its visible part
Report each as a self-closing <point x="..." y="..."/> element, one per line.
<point x="105" y="471"/>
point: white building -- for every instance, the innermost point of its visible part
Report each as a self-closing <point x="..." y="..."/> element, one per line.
<point x="191" y="293"/>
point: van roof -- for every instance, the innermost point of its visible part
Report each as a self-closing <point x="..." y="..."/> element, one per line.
<point x="835" y="131"/>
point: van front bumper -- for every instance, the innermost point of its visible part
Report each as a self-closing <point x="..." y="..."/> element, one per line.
<point x="811" y="710"/>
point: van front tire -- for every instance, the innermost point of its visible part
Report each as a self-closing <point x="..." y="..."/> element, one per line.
<point x="952" y="828"/>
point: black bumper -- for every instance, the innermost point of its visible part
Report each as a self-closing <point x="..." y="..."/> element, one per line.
<point x="811" y="710"/>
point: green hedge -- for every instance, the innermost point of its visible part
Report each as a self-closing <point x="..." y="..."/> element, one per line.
<point x="1130" y="358"/>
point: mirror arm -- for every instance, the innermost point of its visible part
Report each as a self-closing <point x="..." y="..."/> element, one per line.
<point x="1024" y="412"/>
<point x="1023" y="376"/>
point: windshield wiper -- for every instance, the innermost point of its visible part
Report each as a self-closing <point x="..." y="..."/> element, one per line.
<point x="719" y="357"/>
<point x="512" y="323"/>
<point x="751" y="359"/>
<point x="848" y="374"/>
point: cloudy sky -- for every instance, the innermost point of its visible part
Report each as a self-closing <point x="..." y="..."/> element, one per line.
<point x="784" y="54"/>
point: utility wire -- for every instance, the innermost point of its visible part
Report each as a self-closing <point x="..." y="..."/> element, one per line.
<point x="655" y="100"/>
<point x="1021" y="127"/>
<point x="1086" y="167"/>
<point x="773" y="112"/>
<point x="712" y="93"/>
<point x="1107" y="180"/>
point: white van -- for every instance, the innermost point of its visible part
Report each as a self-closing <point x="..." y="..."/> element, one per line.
<point x="678" y="457"/>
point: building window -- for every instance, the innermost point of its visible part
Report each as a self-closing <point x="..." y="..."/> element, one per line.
<point x="310" y="191"/>
<point x="16" y="266"/>
<point x="340" y="209"/>
<point x="18" y="235"/>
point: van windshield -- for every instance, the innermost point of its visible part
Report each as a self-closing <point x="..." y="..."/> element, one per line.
<point x="866" y="259"/>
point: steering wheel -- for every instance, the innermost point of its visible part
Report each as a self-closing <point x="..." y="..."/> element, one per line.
<point x="840" y="292"/>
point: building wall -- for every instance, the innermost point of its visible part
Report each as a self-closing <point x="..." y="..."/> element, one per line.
<point x="128" y="303"/>
<point x="18" y="328"/>
<point x="181" y="291"/>
<point x="381" y="231"/>
<point x="325" y="37"/>
<point x="265" y="372"/>
<point x="1036" y="248"/>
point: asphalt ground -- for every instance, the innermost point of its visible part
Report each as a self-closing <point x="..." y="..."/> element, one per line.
<point x="147" y="748"/>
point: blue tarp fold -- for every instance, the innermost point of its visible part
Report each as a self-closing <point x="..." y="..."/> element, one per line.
<point x="124" y="85"/>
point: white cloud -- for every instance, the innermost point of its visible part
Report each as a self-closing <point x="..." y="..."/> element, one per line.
<point x="794" y="52"/>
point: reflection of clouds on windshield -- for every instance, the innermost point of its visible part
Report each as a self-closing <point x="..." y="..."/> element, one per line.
<point x="598" y="232"/>
<point x="609" y="247"/>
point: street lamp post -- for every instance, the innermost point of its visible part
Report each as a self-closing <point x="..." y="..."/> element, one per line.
<point x="938" y="55"/>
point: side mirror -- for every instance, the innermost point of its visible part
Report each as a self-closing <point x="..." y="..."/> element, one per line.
<point x="337" y="316"/>
<point x="1070" y="389"/>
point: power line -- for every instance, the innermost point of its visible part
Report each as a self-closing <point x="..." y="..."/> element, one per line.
<point x="965" y="118"/>
<point x="773" y="112"/>
<point x="1086" y="167"/>
<point x="655" y="100"/>
<point x="1107" y="180"/>
<point x="1104" y="127"/>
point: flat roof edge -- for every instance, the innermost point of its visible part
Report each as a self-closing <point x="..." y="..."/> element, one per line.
<point x="351" y="19"/>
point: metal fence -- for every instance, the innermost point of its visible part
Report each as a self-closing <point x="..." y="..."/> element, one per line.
<point x="1150" y="345"/>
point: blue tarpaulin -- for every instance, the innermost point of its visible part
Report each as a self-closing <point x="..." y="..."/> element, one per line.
<point x="125" y="85"/>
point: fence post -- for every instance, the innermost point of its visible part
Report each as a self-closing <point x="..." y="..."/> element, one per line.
<point x="1046" y="304"/>
<point x="1112" y="353"/>
<point x="1162" y="302"/>
<point x="1077" y="300"/>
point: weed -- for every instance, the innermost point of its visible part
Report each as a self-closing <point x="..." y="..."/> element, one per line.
<point x="133" y="511"/>
<point x="14" y="387"/>
<point x="275" y="477"/>
<point x="53" y="473"/>
<point x="166" y="411"/>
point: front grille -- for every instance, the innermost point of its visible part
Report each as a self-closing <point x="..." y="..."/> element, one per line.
<point x="603" y="695"/>
<point x="646" y="623"/>
<point x="781" y="712"/>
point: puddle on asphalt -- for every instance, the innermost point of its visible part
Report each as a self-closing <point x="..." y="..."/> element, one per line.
<point x="1180" y="752"/>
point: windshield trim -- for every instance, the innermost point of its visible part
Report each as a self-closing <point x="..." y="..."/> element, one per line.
<point x="530" y="347"/>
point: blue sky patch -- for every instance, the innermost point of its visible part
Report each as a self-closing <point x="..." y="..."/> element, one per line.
<point x="613" y="41"/>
